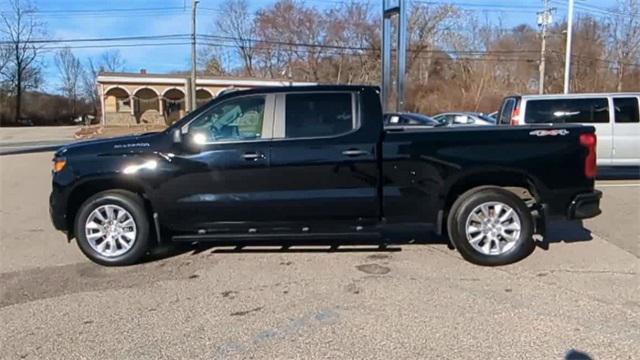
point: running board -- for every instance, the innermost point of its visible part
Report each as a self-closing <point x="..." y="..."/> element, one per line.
<point x="286" y="236"/>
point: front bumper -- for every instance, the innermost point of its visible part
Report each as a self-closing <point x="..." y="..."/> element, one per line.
<point x="57" y="211"/>
<point x="585" y="205"/>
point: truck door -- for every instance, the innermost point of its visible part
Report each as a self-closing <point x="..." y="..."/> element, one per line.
<point x="323" y="158"/>
<point x="221" y="182"/>
<point x="626" y="131"/>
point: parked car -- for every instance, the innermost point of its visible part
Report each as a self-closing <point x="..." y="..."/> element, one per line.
<point x="311" y="162"/>
<point x="406" y="118"/>
<point x="465" y="118"/>
<point x="615" y="116"/>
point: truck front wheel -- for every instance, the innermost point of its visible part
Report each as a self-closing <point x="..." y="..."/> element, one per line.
<point x="112" y="228"/>
<point x="491" y="226"/>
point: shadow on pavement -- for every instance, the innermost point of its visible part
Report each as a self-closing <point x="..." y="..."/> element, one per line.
<point x="556" y="232"/>
<point x="565" y="231"/>
<point x="168" y="249"/>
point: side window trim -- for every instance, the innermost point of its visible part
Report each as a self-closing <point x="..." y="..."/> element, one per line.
<point x="279" y="119"/>
<point x="613" y="106"/>
<point x="267" y="121"/>
<point x="501" y="115"/>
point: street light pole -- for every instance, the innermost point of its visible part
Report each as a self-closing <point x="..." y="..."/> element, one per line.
<point x="544" y="19"/>
<point x="192" y="95"/>
<point x="567" y="60"/>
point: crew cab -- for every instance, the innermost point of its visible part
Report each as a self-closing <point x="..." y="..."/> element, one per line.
<point x="313" y="162"/>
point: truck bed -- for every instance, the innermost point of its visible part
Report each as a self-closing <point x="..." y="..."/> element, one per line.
<point x="421" y="165"/>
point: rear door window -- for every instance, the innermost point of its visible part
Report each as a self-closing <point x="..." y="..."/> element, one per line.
<point x="626" y="110"/>
<point x="588" y="111"/>
<point x="506" y="111"/>
<point x="318" y="114"/>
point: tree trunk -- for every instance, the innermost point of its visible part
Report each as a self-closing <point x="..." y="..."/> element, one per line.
<point x="18" y="96"/>
<point x="620" y="77"/>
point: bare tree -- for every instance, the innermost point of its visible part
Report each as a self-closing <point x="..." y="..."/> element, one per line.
<point x="112" y="61"/>
<point x="296" y="34"/>
<point x="4" y="57"/>
<point x="624" y="36"/>
<point x="354" y="25"/>
<point x="21" y="28"/>
<point x="212" y="60"/>
<point x="428" y="27"/>
<point x="90" y="84"/>
<point x="70" y="72"/>
<point x="238" y="25"/>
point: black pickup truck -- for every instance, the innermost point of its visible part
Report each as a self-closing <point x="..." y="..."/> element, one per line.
<point x="291" y="163"/>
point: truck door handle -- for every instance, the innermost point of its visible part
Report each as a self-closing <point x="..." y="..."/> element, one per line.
<point x="354" y="152"/>
<point x="253" y="156"/>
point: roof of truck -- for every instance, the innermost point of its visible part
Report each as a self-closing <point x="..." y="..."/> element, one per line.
<point x="301" y="88"/>
<point x="573" y="95"/>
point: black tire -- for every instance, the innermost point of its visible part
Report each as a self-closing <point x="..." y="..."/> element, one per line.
<point x="461" y="210"/>
<point x="131" y="203"/>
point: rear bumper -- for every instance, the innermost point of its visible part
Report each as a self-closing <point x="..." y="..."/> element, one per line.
<point x="585" y="205"/>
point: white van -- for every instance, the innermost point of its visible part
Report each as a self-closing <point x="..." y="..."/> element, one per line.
<point x="616" y="117"/>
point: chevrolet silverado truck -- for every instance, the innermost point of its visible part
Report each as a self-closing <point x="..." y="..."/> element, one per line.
<point x="315" y="162"/>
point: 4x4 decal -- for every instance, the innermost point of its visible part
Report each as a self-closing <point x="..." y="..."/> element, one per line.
<point x="559" y="132"/>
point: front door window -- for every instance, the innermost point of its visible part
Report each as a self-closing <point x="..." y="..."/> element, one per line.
<point x="234" y="120"/>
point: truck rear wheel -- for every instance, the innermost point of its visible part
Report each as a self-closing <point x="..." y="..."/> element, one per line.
<point x="491" y="226"/>
<point x="112" y="228"/>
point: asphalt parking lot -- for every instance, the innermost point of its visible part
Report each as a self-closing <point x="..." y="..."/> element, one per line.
<point x="578" y="296"/>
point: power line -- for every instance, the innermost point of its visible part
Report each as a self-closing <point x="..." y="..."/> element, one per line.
<point x="114" y="45"/>
<point x="210" y="41"/>
<point x="591" y="9"/>
<point x="343" y="47"/>
<point x="483" y="6"/>
<point x="112" y="12"/>
<point x="107" y="39"/>
<point x="104" y="10"/>
<point x="488" y="56"/>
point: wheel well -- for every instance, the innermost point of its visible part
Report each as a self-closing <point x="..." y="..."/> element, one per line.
<point x="81" y="193"/>
<point x="517" y="183"/>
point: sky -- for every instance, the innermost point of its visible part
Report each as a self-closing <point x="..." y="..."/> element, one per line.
<point x="67" y="19"/>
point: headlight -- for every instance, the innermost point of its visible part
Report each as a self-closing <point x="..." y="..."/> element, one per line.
<point x="58" y="164"/>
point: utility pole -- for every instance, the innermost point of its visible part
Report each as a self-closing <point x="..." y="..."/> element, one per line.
<point x="192" y="95"/>
<point x="567" y="60"/>
<point x="392" y="9"/>
<point x="545" y="18"/>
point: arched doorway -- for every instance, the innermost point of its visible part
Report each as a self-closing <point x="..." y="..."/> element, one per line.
<point x="203" y="96"/>
<point x="173" y="102"/>
<point x="147" y="107"/>
<point x="117" y="106"/>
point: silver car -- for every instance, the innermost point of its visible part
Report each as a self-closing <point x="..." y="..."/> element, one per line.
<point x="465" y="118"/>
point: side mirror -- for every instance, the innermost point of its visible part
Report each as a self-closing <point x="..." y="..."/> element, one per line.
<point x="176" y="136"/>
<point x="189" y="141"/>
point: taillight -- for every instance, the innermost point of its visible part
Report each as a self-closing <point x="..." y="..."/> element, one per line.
<point x="589" y="141"/>
<point x="515" y="116"/>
